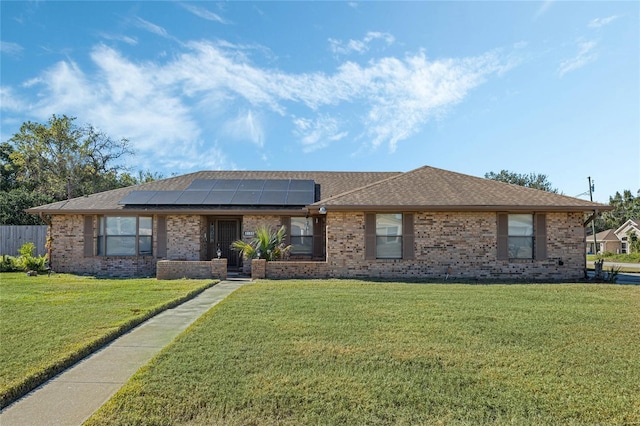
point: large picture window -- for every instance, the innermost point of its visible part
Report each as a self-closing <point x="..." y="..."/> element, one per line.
<point x="389" y="236"/>
<point x="301" y="235"/>
<point x="125" y="236"/>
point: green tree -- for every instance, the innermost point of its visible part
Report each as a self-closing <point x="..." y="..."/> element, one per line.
<point x="625" y="207"/>
<point x="634" y="242"/>
<point x="267" y="244"/>
<point x="531" y="180"/>
<point x="63" y="160"/>
<point x="8" y="168"/>
<point x="44" y="163"/>
<point x="15" y="201"/>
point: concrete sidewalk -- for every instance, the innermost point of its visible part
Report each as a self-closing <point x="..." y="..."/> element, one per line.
<point x="74" y="395"/>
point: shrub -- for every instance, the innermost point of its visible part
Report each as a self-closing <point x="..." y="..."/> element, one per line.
<point x="28" y="261"/>
<point x="9" y="264"/>
<point x="267" y="244"/>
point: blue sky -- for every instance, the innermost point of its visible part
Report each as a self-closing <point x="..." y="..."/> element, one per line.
<point x="472" y="87"/>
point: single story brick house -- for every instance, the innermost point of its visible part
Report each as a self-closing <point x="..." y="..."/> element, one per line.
<point x="424" y="223"/>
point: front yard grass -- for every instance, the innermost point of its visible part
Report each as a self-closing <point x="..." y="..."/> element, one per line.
<point x="352" y="352"/>
<point x="47" y="323"/>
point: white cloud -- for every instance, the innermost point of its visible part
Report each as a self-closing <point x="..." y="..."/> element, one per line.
<point x="9" y="101"/>
<point x="160" y="106"/>
<point x="118" y="37"/>
<point x="246" y="126"/>
<point x="10" y="48"/>
<point x="152" y="28"/>
<point x="359" y="46"/>
<point x="317" y="133"/>
<point x="585" y="56"/>
<point x="601" y="22"/>
<point x="204" y="13"/>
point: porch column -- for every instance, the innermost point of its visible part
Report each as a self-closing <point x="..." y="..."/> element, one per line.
<point x="219" y="268"/>
<point x="258" y="269"/>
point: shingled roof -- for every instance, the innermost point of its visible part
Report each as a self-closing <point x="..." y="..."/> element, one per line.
<point x="425" y="188"/>
<point x="331" y="184"/>
<point x="436" y="189"/>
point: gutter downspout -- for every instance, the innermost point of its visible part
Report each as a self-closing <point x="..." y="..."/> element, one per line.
<point x="48" y="244"/>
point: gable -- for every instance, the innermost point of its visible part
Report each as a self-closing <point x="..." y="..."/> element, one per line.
<point x="629" y="225"/>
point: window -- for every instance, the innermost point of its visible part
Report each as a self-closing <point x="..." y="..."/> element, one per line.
<point x="521" y="236"/>
<point x="301" y="235"/>
<point x="389" y="236"/>
<point x="125" y="236"/>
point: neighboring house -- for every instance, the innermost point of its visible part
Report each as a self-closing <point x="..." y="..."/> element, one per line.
<point x="631" y="225"/>
<point x="608" y="242"/>
<point x="614" y="240"/>
<point x="425" y="223"/>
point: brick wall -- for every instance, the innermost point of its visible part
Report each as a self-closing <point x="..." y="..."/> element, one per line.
<point x="68" y="252"/>
<point x="296" y="269"/>
<point x="185" y="235"/>
<point x="177" y="269"/>
<point x="461" y="243"/>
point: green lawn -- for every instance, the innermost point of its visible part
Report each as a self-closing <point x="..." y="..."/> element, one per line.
<point x="621" y="258"/>
<point x="47" y="323"/>
<point x="351" y="352"/>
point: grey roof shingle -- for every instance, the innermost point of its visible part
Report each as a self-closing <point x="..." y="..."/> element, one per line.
<point x="424" y="188"/>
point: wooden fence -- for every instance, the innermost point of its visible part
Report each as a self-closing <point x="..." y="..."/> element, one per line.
<point x="12" y="237"/>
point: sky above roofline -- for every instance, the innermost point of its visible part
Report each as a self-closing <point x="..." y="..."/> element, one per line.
<point x="472" y="87"/>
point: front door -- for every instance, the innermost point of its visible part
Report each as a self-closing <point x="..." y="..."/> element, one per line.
<point x="222" y="233"/>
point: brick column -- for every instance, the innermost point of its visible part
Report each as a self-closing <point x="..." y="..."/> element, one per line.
<point x="258" y="269"/>
<point x="219" y="268"/>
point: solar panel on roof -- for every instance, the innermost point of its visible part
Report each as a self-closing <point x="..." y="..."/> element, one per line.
<point x="299" y="198"/>
<point x="219" y="198"/>
<point x="165" y="198"/>
<point x="273" y="198"/>
<point x="226" y="184"/>
<point x="251" y="185"/>
<point x="138" y="197"/>
<point x="243" y="198"/>
<point x="192" y="197"/>
<point x="229" y="192"/>
<point x="202" y="185"/>
<point x="276" y="185"/>
<point x="301" y="185"/>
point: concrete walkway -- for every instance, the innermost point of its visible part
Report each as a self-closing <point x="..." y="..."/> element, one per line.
<point x="73" y="396"/>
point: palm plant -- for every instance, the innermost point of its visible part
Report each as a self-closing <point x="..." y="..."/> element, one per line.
<point x="267" y="244"/>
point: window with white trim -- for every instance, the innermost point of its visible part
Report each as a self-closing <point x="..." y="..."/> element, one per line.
<point x="125" y="236"/>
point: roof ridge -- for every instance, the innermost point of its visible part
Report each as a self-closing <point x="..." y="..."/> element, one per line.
<point x="365" y="186"/>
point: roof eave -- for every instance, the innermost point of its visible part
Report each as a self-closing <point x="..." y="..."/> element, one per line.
<point x="458" y="208"/>
<point x="140" y="211"/>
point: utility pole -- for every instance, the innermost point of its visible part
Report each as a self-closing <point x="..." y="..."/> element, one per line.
<point x="592" y="189"/>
